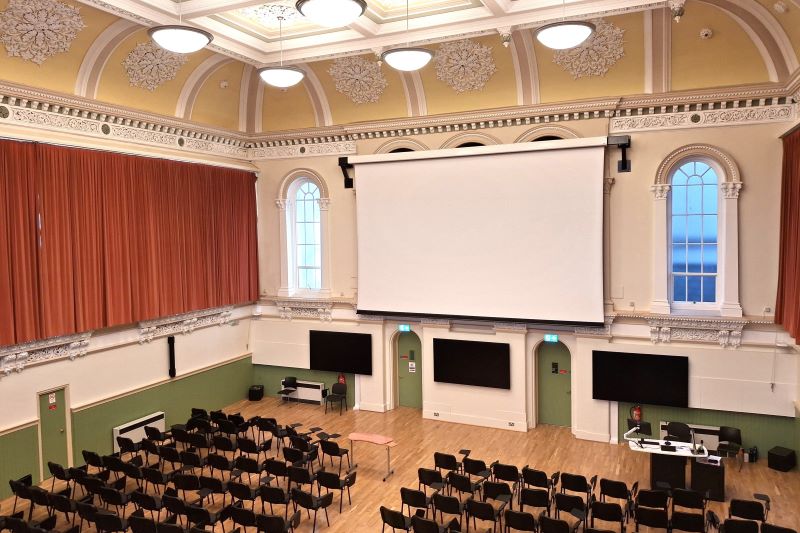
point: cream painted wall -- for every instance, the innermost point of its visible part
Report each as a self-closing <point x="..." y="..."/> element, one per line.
<point x="117" y="363"/>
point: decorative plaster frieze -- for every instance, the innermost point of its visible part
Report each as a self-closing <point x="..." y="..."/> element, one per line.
<point x="184" y="323"/>
<point x="597" y="331"/>
<point x="727" y="333"/>
<point x="16" y="358"/>
<point x="435" y="323"/>
<point x="703" y="118"/>
<point x="510" y="327"/>
<point x="304" y="150"/>
<point x="314" y="308"/>
<point x="660" y="190"/>
<point x="730" y="189"/>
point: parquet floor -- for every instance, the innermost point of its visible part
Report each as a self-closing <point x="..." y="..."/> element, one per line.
<point x="547" y="448"/>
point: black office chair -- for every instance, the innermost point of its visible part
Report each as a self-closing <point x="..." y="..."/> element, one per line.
<point x="394" y="519"/>
<point x="338" y="394"/>
<point x="289" y="387"/>
<point x="679" y="432"/>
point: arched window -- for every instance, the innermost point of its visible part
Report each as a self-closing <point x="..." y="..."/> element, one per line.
<point x="470" y="144"/>
<point x="305" y="242"/>
<point x="400" y="150"/>
<point x="547" y="138"/>
<point x="694" y="230"/>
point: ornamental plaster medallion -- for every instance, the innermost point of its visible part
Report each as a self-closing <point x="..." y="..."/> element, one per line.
<point x="272" y="15"/>
<point x="360" y="80"/>
<point x="38" y="29"/>
<point x="597" y="55"/>
<point x="464" y="65"/>
<point x="149" y="66"/>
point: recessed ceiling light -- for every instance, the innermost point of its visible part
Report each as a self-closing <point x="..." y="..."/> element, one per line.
<point x="179" y="38"/>
<point x="331" y="13"/>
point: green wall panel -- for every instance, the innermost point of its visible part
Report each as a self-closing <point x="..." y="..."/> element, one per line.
<point x="19" y="456"/>
<point x="271" y="376"/>
<point x="212" y="389"/>
<point x="763" y="431"/>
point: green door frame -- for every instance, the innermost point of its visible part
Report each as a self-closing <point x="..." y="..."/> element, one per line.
<point x="67" y="428"/>
<point x="536" y="382"/>
<point x="395" y="355"/>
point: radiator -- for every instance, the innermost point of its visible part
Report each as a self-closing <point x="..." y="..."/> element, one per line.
<point x="308" y="392"/>
<point x="134" y="429"/>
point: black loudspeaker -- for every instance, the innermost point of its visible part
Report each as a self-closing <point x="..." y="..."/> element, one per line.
<point x="171" y="344"/>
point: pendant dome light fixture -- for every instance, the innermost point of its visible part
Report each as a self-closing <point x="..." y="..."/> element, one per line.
<point x="281" y="76"/>
<point x="407" y="58"/>
<point x="331" y="13"/>
<point x="179" y="38"/>
<point x="564" y="34"/>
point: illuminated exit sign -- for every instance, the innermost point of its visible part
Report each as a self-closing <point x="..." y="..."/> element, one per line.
<point x="550" y="337"/>
<point x="404" y="327"/>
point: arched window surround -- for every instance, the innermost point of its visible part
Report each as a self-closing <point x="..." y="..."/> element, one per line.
<point x="286" y="222"/>
<point x="729" y="183"/>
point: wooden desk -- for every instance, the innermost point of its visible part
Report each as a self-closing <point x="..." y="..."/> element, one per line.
<point x="373" y="438"/>
<point x="665" y="466"/>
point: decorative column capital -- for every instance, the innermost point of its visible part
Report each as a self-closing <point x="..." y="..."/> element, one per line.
<point x="608" y="183"/>
<point x="660" y="190"/>
<point x="730" y="189"/>
<point x="324" y="203"/>
<point x="282" y="204"/>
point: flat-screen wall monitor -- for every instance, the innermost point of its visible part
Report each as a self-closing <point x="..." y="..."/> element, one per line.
<point x="482" y="364"/>
<point x="334" y="351"/>
<point x="644" y="427"/>
<point x="640" y="378"/>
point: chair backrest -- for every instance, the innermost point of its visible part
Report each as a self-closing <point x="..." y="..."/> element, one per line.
<point x="568" y="502"/>
<point x="191" y="459"/>
<point x="445" y="461"/>
<point x="446" y="504"/>
<point x="534" y="497"/>
<point x="174" y="504"/>
<point x="607" y="511"/>
<point x="276" y="467"/>
<point x="691" y="499"/>
<point x="460" y="482"/>
<point x="475" y="467"/>
<point x="105" y="521"/>
<point x="141" y="524"/>
<point x="144" y="500"/>
<point x="771" y="528"/>
<point x="329" y="447"/>
<point x="428" y="476"/>
<point x="394" y="519"/>
<point x="219" y="462"/>
<point x="290" y="382"/>
<point x="552" y="525"/>
<point x="747" y="509"/>
<point x="272" y="494"/>
<point x="125" y="444"/>
<point x="247" y="445"/>
<point x="299" y="474"/>
<point x="493" y="489"/>
<point x="519" y="520"/>
<point x="59" y="502"/>
<point x="198" y="440"/>
<point x="241" y="516"/>
<point x="223" y="443"/>
<point x="153" y="433"/>
<point x="413" y="497"/>
<point x="574" y="482"/>
<point x="215" y="485"/>
<point x="734" y="525"/>
<point x="536" y="478"/>
<point x="270" y="524"/>
<point x="656" y="499"/>
<point x="652" y="517"/>
<point x="56" y="470"/>
<point x="692" y="522"/>
<point x="247" y="464"/>
<point x="480" y="510"/>
<point x="293" y="455"/>
<point x="87" y="511"/>
<point x="186" y="482"/>
<point x="199" y="413"/>
<point x="423" y="525"/>
<point x="614" y="489"/>
<point x="729" y="434"/>
<point x="505" y="472"/>
<point x="169" y="454"/>
<point x="92" y="459"/>
<point x="240" y="491"/>
<point x="217" y="415"/>
<point x="679" y="431"/>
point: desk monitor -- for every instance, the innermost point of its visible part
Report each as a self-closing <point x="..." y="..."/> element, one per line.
<point x="644" y="427"/>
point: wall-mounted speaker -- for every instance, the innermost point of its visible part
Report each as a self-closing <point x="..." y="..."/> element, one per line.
<point x="171" y="345"/>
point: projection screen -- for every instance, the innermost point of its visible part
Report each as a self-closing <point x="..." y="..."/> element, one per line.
<point x="499" y="232"/>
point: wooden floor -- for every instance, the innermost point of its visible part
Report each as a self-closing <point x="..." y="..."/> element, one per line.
<point x="547" y="448"/>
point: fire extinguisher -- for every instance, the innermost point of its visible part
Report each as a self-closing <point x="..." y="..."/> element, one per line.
<point x="342" y="380"/>
<point x="636" y="413"/>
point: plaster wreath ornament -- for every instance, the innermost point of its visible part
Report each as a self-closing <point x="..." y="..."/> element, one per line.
<point x="464" y="65"/>
<point x="597" y="55"/>
<point x="149" y="66"/>
<point x="360" y="80"/>
<point x="38" y="29"/>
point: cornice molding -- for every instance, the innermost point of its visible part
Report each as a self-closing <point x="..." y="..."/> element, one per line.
<point x="18" y="357"/>
<point x="184" y="323"/>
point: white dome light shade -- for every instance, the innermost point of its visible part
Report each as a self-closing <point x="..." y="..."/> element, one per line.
<point x="180" y="39"/>
<point x="281" y="77"/>
<point x="331" y="13"/>
<point x="407" y="59"/>
<point x="564" y="35"/>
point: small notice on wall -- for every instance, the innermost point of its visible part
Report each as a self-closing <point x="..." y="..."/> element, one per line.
<point x="52" y="407"/>
<point x="51" y="398"/>
<point x="412" y="367"/>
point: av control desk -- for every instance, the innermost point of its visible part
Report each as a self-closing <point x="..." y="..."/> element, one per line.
<point x="666" y="465"/>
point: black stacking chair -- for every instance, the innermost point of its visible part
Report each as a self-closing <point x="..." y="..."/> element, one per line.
<point x="169" y="454"/>
<point x="126" y="445"/>
<point x="338" y="394"/>
<point x="181" y="436"/>
<point x="199" y="413"/>
<point x="757" y="509"/>
<point x="449" y="505"/>
<point x="140" y="524"/>
<point x="149" y="447"/>
<point x="301" y="476"/>
<point x="578" y="483"/>
<point x="201" y="517"/>
<point x="679" y="432"/>
<point x="462" y="484"/>
<point x="221" y="463"/>
<point x="423" y="525"/>
<point x="38" y="496"/>
<point x="310" y="502"/>
<point x="608" y="512"/>
<point x="242" y="517"/>
<point x="567" y="502"/>
<point x="189" y="483"/>
<point x="332" y="449"/>
<point x="296" y="457"/>
<point x="192" y="461"/>
<point x="58" y="472"/>
<point x="147" y="502"/>
<point x="332" y="481"/>
<point x="277" y="524"/>
<point x="651" y="517"/>
<point x="176" y="506"/>
<point x="476" y="468"/>
<point x="429" y="478"/>
<point x="156" y="435"/>
<point x="199" y="442"/>
<point x="394" y="519"/>
<point x="224" y="444"/>
<point x="87" y="513"/>
<point x="735" y="525"/>
<point x="134" y="472"/>
<point x="499" y="491"/>
<point x="277" y="468"/>
<point x="688" y="499"/>
<point x="279" y="432"/>
<point x="106" y="522"/>
<point x="274" y="496"/>
<point x="446" y="461"/>
<point x="536" y="498"/>
<point x="508" y="473"/>
<point x="555" y="525"/>
<point x="289" y="387"/>
<point x="212" y="485"/>
<point x="59" y="503"/>
<point x="240" y="493"/>
<point x="654" y="499"/>
<point x="19" y="487"/>
<point x="250" y="446"/>
<point x="477" y="510"/>
<point x="519" y="521"/>
<point x="251" y="467"/>
<point x="414" y="499"/>
<point x="117" y="498"/>
<point x="537" y="478"/>
<point x="92" y="459"/>
<point x="690" y="522"/>
<point x="730" y="441"/>
<point x="771" y="528"/>
<point x="157" y="478"/>
<point x="619" y="489"/>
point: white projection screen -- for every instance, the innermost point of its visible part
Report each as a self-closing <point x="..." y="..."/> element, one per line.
<point x="507" y="232"/>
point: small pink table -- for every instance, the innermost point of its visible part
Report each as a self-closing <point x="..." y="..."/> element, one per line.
<point x="373" y="438"/>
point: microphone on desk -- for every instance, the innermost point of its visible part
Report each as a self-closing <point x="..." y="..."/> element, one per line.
<point x="694" y="445"/>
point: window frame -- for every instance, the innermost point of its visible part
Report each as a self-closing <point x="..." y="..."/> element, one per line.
<point x="294" y="244"/>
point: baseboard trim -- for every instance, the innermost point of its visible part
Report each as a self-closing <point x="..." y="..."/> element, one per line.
<point x="375" y="407"/>
<point x="520" y="425"/>
<point x="588" y="435"/>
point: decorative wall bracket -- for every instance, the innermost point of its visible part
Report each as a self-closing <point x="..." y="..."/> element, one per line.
<point x="16" y="358"/>
<point x="314" y="308"/>
<point x="728" y="333"/>
<point x="184" y="323"/>
<point x="599" y="331"/>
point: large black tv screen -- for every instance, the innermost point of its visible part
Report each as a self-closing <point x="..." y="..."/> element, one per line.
<point x="333" y="351"/>
<point x="482" y="364"/>
<point x="640" y="378"/>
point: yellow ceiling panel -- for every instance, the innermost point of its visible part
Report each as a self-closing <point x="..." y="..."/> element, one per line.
<point x="217" y="102"/>
<point x="288" y="109"/>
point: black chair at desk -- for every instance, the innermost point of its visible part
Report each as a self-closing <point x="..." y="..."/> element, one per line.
<point x="678" y="432"/>
<point x="289" y="387"/>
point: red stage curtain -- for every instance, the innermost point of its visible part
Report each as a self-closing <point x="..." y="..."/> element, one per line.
<point x="787" y="308"/>
<point x="123" y="239"/>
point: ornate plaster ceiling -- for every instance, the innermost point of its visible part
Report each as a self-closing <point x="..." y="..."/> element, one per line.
<point x="246" y="30"/>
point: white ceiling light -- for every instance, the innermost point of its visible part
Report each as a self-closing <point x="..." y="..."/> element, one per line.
<point x="407" y="58"/>
<point x="566" y="33"/>
<point x="331" y="13"/>
<point x="281" y="76"/>
<point x="179" y="38"/>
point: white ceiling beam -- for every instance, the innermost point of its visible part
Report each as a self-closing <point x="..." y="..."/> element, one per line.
<point x="202" y="8"/>
<point x="365" y="27"/>
<point x="498" y="7"/>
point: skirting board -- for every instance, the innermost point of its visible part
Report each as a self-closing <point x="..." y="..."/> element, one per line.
<point x="586" y="435"/>
<point x="375" y="407"/>
<point x="519" y="425"/>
